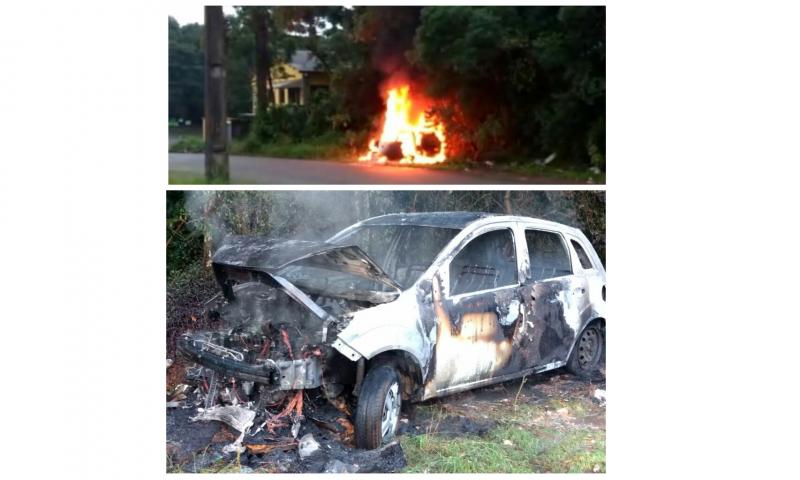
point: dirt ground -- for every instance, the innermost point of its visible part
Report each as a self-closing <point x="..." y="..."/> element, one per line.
<point x="549" y="422"/>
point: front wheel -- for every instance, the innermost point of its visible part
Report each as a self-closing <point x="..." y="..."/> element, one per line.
<point x="586" y="355"/>
<point x="378" y="409"/>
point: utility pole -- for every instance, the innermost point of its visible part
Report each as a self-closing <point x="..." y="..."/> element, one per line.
<point x="216" y="114"/>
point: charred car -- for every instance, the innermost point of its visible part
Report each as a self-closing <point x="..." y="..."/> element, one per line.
<point x="403" y="308"/>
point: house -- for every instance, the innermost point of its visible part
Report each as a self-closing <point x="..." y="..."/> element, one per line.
<point x="295" y="81"/>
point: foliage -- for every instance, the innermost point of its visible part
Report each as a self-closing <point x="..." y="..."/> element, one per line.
<point x="189" y="144"/>
<point x="186" y="63"/>
<point x="294" y="122"/>
<point x="329" y="146"/>
<point x="523" y="79"/>
<point x="184" y="243"/>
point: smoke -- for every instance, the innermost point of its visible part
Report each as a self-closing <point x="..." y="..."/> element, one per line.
<point x="317" y="215"/>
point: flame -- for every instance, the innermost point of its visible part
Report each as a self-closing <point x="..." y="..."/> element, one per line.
<point x="405" y="140"/>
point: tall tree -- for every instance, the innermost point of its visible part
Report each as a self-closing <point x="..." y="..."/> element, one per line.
<point x="185" y="71"/>
<point x="216" y="115"/>
<point x="259" y="22"/>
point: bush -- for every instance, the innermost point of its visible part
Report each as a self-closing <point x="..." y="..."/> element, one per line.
<point x="294" y="122"/>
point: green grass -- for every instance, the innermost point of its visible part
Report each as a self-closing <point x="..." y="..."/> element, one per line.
<point x="531" y="450"/>
<point x="330" y="146"/>
<point x="537" y="445"/>
<point x="191" y="179"/>
<point x="324" y="147"/>
<point x="526" y="168"/>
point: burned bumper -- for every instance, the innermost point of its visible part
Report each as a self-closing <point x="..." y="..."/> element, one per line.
<point x="278" y="375"/>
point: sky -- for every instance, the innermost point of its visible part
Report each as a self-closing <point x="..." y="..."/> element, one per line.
<point x="187" y="13"/>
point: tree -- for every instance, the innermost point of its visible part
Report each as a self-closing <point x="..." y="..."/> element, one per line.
<point x="530" y="79"/>
<point x="259" y="23"/>
<point x="185" y="71"/>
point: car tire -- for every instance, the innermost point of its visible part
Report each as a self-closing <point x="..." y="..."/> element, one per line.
<point x="588" y="352"/>
<point x="378" y="409"/>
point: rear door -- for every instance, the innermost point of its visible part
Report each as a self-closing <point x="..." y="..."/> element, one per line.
<point x="555" y="297"/>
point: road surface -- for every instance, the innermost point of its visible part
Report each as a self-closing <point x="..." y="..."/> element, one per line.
<point x="274" y="171"/>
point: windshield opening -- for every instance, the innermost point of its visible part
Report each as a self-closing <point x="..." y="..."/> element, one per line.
<point x="404" y="252"/>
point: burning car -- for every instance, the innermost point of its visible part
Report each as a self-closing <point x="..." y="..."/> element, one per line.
<point x="402" y="308"/>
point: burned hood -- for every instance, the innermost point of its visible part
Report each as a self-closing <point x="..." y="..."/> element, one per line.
<point x="256" y="253"/>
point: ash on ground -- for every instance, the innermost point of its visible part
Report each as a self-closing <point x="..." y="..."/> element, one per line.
<point x="321" y="439"/>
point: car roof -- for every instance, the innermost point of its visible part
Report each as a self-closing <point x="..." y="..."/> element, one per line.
<point x="429" y="219"/>
<point x="457" y="220"/>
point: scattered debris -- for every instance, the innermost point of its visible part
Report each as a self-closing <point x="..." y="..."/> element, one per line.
<point x="327" y="437"/>
<point x="307" y="445"/>
<point x="179" y="392"/>
<point x="239" y="418"/>
<point x="337" y="466"/>
<point x="174" y="404"/>
<point x="261" y="449"/>
<point x="169" y="362"/>
<point x="223" y="435"/>
<point x="600" y="395"/>
<point x="549" y="159"/>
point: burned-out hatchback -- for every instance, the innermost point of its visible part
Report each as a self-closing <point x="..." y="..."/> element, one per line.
<point x="401" y="308"/>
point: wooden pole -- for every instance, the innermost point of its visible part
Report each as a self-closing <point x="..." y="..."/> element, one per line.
<point x="216" y="115"/>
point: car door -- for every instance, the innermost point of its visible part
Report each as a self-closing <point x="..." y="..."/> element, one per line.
<point x="555" y="298"/>
<point x="477" y="304"/>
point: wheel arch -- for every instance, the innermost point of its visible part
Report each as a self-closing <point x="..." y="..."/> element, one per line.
<point x="405" y="363"/>
<point x="593" y="321"/>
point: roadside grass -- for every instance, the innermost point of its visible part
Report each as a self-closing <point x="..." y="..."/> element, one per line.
<point x="336" y="147"/>
<point x="525" y="440"/>
<point x="191" y="179"/>
<point x="323" y="147"/>
<point x="522" y="167"/>
<point x="188" y="144"/>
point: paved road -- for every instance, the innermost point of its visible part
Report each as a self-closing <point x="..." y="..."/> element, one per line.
<point x="262" y="170"/>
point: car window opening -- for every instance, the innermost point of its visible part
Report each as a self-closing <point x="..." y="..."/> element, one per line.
<point x="548" y="255"/>
<point x="489" y="261"/>
<point x="586" y="264"/>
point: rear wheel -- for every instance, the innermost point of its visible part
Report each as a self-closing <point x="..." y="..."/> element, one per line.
<point x="378" y="409"/>
<point x="586" y="355"/>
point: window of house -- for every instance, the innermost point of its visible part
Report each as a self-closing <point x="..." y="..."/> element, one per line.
<point x="488" y="261"/>
<point x="585" y="262"/>
<point x="548" y="255"/>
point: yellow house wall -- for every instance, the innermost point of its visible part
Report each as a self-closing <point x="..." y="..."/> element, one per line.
<point x="286" y="72"/>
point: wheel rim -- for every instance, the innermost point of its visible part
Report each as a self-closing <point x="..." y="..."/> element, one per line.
<point x="588" y="348"/>
<point x="391" y="411"/>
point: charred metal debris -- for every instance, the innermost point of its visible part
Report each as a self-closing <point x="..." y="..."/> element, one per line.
<point x="447" y="301"/>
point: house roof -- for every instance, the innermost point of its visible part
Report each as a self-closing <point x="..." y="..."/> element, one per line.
<point x="305" y="61"/>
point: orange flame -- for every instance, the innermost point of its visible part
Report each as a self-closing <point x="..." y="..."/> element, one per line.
<point x="405" y="140"/>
